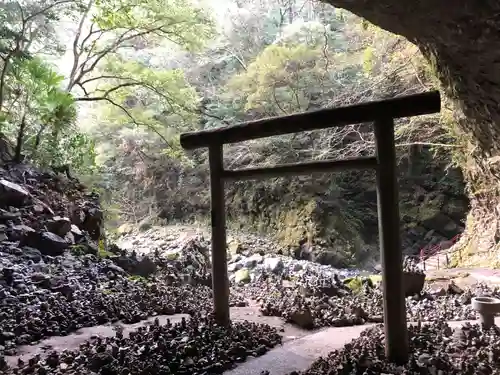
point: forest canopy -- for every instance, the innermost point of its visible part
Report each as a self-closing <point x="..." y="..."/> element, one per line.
<point x="106" y="87"/>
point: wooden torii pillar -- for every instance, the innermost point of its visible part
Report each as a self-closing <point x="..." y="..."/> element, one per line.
<point x="382" y="114"/>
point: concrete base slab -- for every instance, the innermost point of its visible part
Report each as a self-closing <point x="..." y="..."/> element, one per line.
<point x="298" y="355"/>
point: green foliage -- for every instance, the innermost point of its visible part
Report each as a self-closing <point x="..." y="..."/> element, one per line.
<point x="106" y="32"/>
<point x="138" y="279"/>
<point x="153" y="98"/>
<point x="78" y="250"/>
<point x="40" y="116"/>
<point x="131" y="92"/>
<point x="368" y="58"/>
<point x="102" y="251"/>
<point x="30" y="24"/>
<point x="177" y="21"/>
<point x="282" y="79"/>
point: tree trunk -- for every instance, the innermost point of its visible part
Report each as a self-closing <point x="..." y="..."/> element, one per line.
<point x="291" y="11"/>
<point x="3" y="74"/>
<point x="20" y="138"/>
<point x="38" y="137"/>
<point x="461" y="43"/>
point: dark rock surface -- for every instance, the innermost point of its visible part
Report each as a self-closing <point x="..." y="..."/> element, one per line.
<point x="45" y="211"/>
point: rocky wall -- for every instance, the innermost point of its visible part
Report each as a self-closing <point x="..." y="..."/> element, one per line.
<point x="462" y="46"/>
<point x="47" y="213"/>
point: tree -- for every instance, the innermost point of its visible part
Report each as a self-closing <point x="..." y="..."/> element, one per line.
<point x="104" y="69"/>
<point x="106" y="36"/>
<point x="161" y="101"/>
<point x="28" y="27"/>
<point x="37" y="104"/>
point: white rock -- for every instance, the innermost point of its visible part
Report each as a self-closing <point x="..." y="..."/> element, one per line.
<point x="273" y="264"/>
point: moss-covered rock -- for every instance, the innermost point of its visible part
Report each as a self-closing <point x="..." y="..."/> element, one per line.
<point x="242" y="276"/>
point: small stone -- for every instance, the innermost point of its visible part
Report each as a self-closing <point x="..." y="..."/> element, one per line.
<point x="303" y="318"/>
<point x="273" y="264"/>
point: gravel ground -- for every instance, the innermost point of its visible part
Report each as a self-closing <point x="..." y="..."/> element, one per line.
<point x="194" y="346"/>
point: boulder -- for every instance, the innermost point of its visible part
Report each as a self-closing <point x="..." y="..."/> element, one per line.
<point x="40" y="207"/>
<point x="413" y="282"/>
<point x="454" y="288"/>
<point x="303" y="318"/>
<point x="242" y="276"/>
<point x="69" y="238"/>
<point x="77" y="215"/>
<point x="59" y="225"/>
<point x="143" y="267"/>
<point x="273" y="264"/>
<point x="437" y="292"/>
<point x="93" y="222"/>
<point x="12" y="194"/>
<point x="17" y="232"/>
<point x="234" y="247"/>
<point x="233" y="267"/>
<point x="47" y="242"/>
<point x="253" y="260"/>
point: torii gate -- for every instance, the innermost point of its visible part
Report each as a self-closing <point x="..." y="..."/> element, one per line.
<point x="382" y="114"/>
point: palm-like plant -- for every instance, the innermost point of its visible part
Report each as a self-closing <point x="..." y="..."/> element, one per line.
<point x="36" y="104"/>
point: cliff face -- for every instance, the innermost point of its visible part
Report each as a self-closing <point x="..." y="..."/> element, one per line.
<point x="462" y="45"/>
<point x="330" y="218"/>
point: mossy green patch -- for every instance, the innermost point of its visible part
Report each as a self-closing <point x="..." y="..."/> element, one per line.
<point x="375" y="278"/>
<point x="137" y="278"/>
<point x="78" y="250"/>
<point x="355" y="284"/>
<point x="172" y="256"/>
<point x="242" y="276"/>
<point x="102" y="252"/>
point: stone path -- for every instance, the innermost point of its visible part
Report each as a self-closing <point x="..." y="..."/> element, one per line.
<point x="487" y="275"/>
<point x="299" y="354"/>
<point x="73" y="341"/>
<point x="300" y="347"/>
<point x="466" y="276"/>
